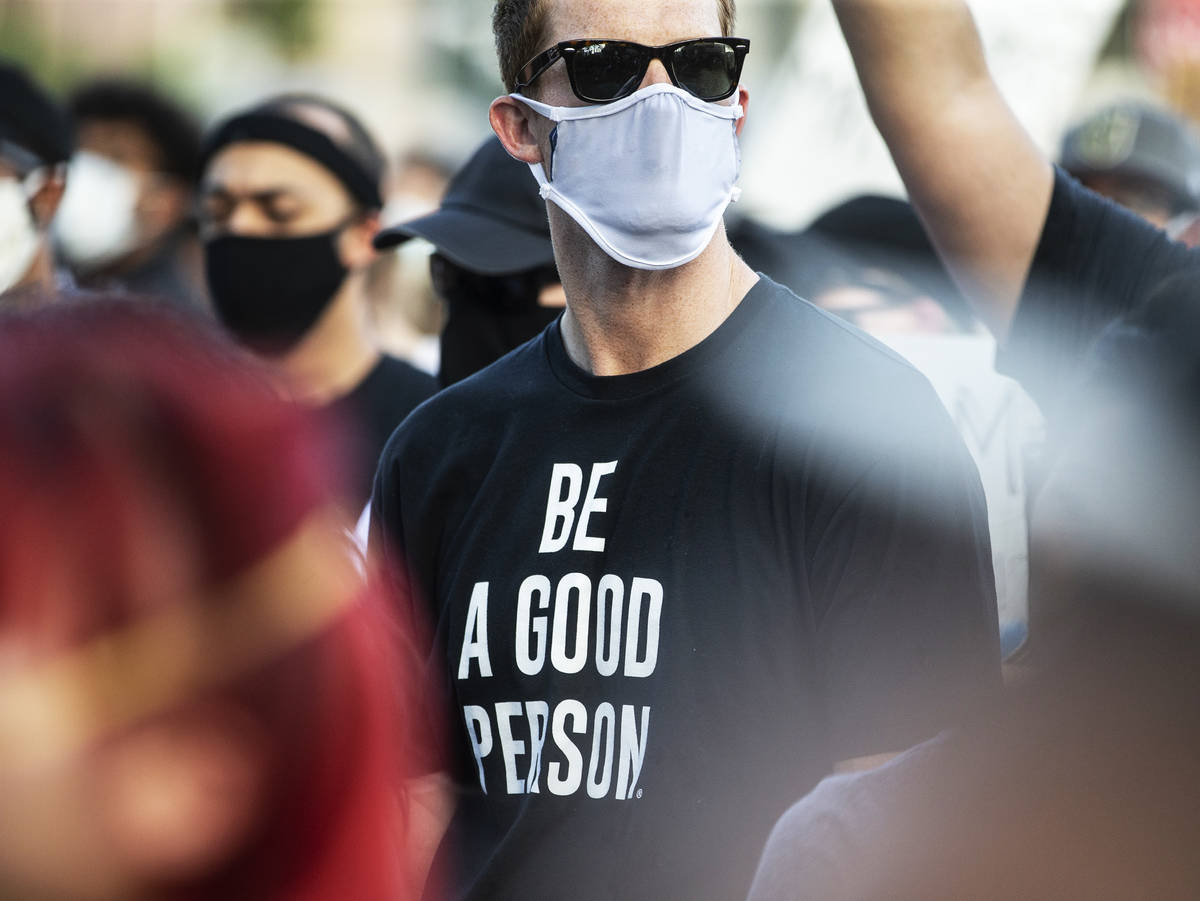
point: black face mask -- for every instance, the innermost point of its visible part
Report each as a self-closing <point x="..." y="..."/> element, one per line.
<point x="270" y="291"/>
<point x="487" y="315"/>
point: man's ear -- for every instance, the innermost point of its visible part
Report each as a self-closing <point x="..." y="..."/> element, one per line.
<point x="743" y="96"/>
<point x="354" y="243"/>
<point x="44" y="203"/>
<point x="513" y="123"/>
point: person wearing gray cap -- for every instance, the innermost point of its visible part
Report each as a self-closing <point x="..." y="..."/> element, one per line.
<point x="35" y="144"/>
<point x="1145" y="158"/>
<point x="494" y="265"/>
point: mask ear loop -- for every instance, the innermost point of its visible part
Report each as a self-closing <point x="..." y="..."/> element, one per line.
<point x="553" y="149"/>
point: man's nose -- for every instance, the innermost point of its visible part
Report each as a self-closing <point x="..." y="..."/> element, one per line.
<point x="656" y="73"/>
<point x="244" y="219"/>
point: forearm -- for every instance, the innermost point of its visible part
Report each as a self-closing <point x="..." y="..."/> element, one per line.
<point x="912" y="56"/>
<point x="979" y="183"/>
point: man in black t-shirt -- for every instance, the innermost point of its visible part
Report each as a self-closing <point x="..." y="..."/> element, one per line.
<point x="1047" y="264"/>
<point x="290" y="201"/>
<point x="696" y="543"/>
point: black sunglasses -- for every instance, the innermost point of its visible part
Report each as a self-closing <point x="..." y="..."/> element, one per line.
<point x="603" y="71"/>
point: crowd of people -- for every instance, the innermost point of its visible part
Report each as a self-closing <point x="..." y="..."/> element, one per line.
<point x="710" y="561"/>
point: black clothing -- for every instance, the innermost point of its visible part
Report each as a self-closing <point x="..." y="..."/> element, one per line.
<point x="1095" y="262"/>
<point x="665" y="603"/>
<point x="391" y="390"/>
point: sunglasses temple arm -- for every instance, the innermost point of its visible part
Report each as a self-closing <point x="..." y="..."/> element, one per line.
<point x="551" y="57"/>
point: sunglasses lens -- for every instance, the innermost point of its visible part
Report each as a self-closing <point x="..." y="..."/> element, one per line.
<point x="608" y="70"/>
<point x="707" y="69"/>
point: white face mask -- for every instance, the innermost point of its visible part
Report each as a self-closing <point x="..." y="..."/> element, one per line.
<point x="96" y="222"/>
<point x="19" y="238"/>
<point x="648" y="177"/>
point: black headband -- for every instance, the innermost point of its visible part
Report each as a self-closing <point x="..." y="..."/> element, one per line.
<point x="362" y="184"/>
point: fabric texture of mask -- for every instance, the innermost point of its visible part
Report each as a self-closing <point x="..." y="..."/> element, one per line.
<point x="270" y="291"/>
<point x="19" y="239"/>
<point x="648" y="177"/>
<point x="487" y="316"/>
<point x="97" y="223"/>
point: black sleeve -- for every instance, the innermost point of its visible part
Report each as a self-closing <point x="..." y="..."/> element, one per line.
<point x="421" y="686"/>
<point x="907" y="619"/>
<point x="1094" y="263"/>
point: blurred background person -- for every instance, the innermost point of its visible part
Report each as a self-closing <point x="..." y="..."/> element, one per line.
<point x="1143" y="157"/>
<point x="877" y="245"/>
<point x="406" y="313"/>
<point x="493" y="263"/>
<point x="198" y="698"/>
<point x="290" y="201"/>
<point x="126" y="220"/>
<point x="35" y="144"/>
<point x="869" y="261"/>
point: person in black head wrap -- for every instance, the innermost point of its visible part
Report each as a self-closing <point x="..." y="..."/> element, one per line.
<point x="290" y="203"/>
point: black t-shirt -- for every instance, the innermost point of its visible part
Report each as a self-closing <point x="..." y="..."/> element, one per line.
<point x="1095" y="262"/>
<point x="391" y="390"/>
<point x="663" y="604"/>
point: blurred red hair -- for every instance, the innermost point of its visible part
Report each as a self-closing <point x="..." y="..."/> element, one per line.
<point x="140" y="452"/>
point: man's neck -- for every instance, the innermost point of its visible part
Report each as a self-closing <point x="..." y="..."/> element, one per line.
<point x="621" y="320"/>
<point x="337" y="354"/>
<point x="146" y="253"/>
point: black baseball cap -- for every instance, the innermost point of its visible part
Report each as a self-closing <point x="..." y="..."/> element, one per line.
<point x="32" y="120"/>
<point x="492" y="220"/>
<point x="872" y="231"/>
<point x="1136" y="140"/>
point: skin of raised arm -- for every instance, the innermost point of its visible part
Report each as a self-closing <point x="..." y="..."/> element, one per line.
<point x="978" y="182"/>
